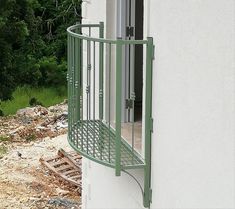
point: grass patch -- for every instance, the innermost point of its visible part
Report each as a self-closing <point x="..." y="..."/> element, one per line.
<point x="4" y="138"/>
<point x="31" y="137"/>
<point x="22" y="96"/>
<point x="3" y="151"/>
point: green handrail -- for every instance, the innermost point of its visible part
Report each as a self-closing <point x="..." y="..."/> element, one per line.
<point x="71" y="32"/>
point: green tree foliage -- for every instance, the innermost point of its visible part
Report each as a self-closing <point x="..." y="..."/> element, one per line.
<point x="33" y="42"/>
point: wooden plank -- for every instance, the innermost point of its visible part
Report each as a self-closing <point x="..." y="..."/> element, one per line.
<point x="66" y="166"/>
<point x="72" y="158"/>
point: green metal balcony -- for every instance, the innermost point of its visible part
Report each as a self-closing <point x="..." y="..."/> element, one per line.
<point x="95" y="118"/>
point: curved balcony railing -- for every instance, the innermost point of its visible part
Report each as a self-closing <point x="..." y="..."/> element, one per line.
<point x="95" y="101"/>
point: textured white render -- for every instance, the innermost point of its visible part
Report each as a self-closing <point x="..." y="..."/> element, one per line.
<point x="193" y="144"/>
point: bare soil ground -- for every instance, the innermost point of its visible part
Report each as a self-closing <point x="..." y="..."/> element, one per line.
<point x="26" y="184"/>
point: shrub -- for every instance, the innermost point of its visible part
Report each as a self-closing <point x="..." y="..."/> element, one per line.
<point x="33" y="102"/>
<point x="53" y="74"/>
<point x="1" y="113"/>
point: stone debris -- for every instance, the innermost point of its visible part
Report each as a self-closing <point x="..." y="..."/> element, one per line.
<point x="34" y="133"/>
<point x="65" y="202"/>
<point x="33" y="123"/>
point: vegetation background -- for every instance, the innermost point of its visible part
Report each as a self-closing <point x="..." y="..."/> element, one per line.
<point x="33" y="51"/>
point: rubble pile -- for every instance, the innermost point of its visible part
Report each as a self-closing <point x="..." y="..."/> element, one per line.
<point x="26" y="184"/>
<point x="35" y="133"/>
<point x="33" y="123"/>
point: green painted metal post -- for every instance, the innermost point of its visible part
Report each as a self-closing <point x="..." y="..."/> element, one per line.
<point x="118" y="106"/>
<point x="81" y="89"/>
<point x="68" y="82"/>
<point x="101" y="85"/>
<point x="77" y="68"/>
<point x="148" y="122"/>
<point x="101" y="71"/>
<point x="73" y="79"/>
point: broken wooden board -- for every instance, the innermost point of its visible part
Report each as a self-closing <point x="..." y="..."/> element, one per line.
<point x="65" y="165"/>
<point x="74" y="157"/>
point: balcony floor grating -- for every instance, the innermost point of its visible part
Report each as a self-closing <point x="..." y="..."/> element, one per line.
<point x="95" y="139"/>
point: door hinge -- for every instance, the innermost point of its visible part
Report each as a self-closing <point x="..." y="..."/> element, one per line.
<point x="129" y="103"/>
<point x="129" y="31"/>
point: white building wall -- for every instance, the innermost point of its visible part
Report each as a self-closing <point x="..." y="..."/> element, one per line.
<point x="193" y="145"/>
<point x="93" y="11"/>
<point x="194" y="76"/>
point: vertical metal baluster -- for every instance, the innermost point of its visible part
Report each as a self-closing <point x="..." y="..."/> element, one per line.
<point x="101" y="91"/>
<point x="87" y="94"/>
<point x="80" y="84"/>
<point x="82" y="89"/>
<point x="88" y="87"/>
<point x="73" y="81"/>
<point x="101" y="69"/>
<point x="77" y="84"/>
<point x="118" y="106"/>
<point x="94" y="136"/>
<point x="89" y="60"/>
<point x="87" y="98"/>
<point x="133" y="126"/>
<point x="109" y="87"/>
<point x="89" y="31"/>
<point x="77" y="73"/>
<point x="75" y="90"/>
<point x="68" y="82"/>
<point x="73" y="86"/>
<point x="132" y="97"/>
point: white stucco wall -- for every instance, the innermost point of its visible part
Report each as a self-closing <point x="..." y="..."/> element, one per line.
<point x="193" y="145"/>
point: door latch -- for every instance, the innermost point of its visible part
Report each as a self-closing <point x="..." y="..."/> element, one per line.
<point x="129" y="103"/>
<point x="130" y="31"/>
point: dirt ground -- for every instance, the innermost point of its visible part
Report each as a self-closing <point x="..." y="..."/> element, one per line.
<point x="26" y="184"/>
